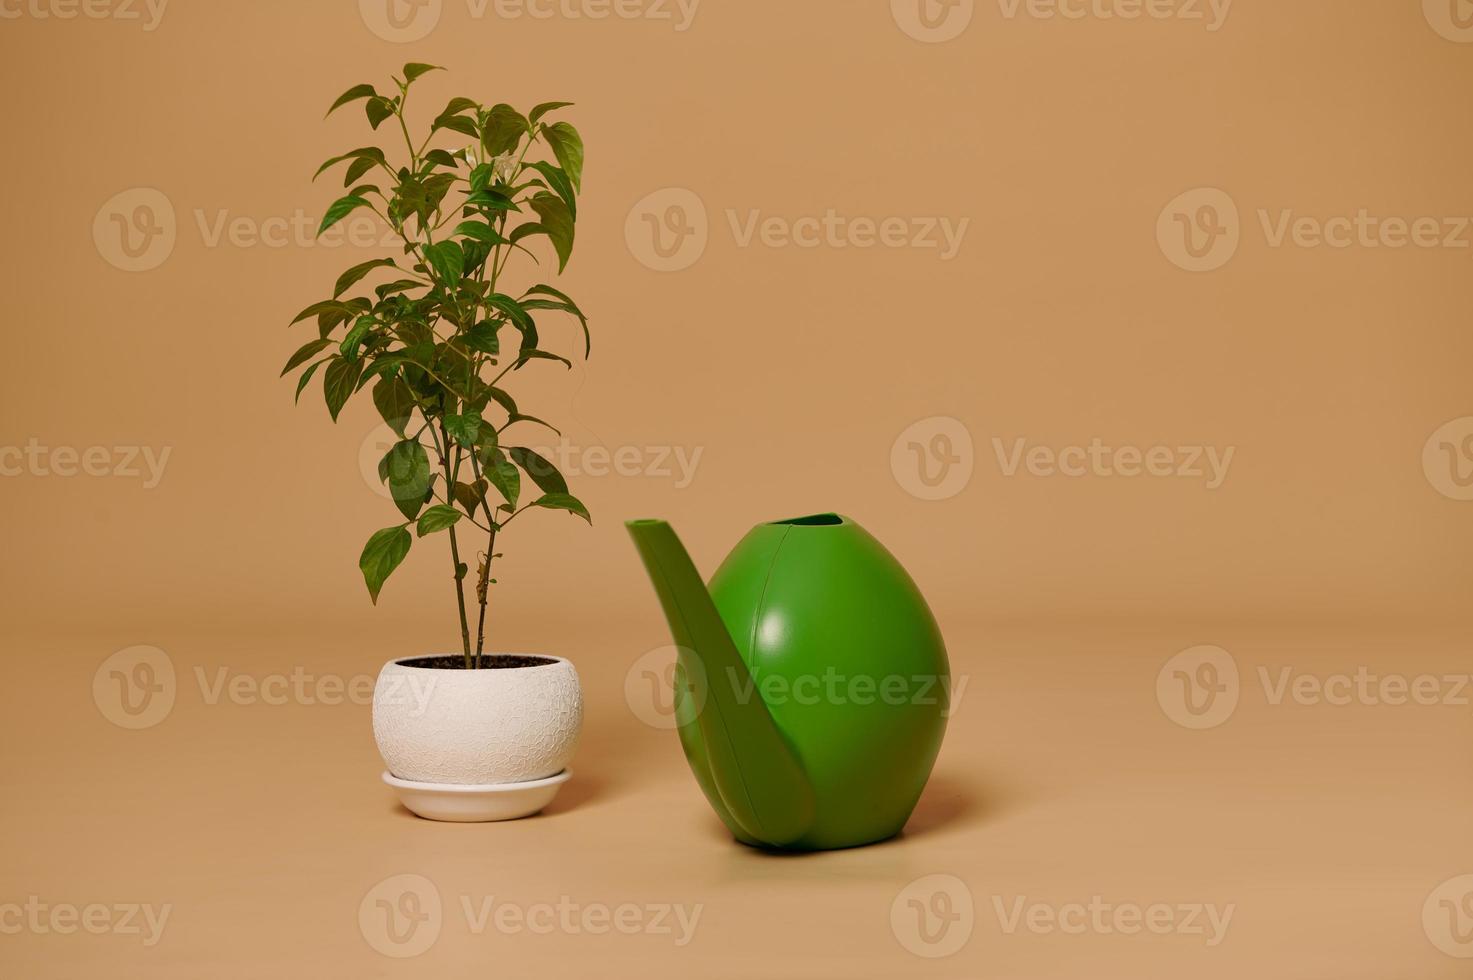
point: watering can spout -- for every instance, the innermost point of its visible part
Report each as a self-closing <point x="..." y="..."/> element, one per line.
<point x="752" y="765"/>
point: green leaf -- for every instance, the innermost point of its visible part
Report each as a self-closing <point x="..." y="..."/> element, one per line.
<point x="503" y="399"/>
<point x="348" y="279"/>
<point x="306" y="377"/>
<point x="384" y="552"/>
<point x="502" y="475"/>
<point x="532" y="418"/>
<point x="357" y="169"/>
<point x="490" y="200"/>
<point x="326" y="306"/>
<point x="532" y="354"/>
<point x="415" y="69"/>
<point x="558" y="221"/>
<point x="458" y="124"/>
<point x="436" y="187"/>
<point x="349" y="347"/>
<point x="372" y="154"/>
<point x="305" y="353"/>
<point x="567" y="146"/>
<point x="421" y="195"/>
<point x="481" y="231"/>
<point x="487" y="444"/>
<point x="451" y="117"/>
<point x="482" y="338"/>
<point x="480" y="177"/>
<point x="476" y="254"/>
<point x="464" y="428"/>
<point x="526" y="231"/>
<point x="378" y="109"/>
<point x="340" y="209"/>
<point x="448" y="261"/>
<point x="329" y="320"/>
<point x="563" y="501"/>
<point x="543" y="473"/>
<point x="567" y="304"/>
<point x="439" y="158"/>
<point x="421" y="355"/>
<point x="407" y="468"/>
<point x="397" y="286"/>
<point x="459" y="105"/>
<point x="502" y="129"/>
<point x="395" y="402"/>
<point x="523" y="323"/>
<point x="539" y="111"/>
<point x="558" y="181"/>
<point x="438" y="518"/>
<point x="383" y="366"/>
<point x="453" y="365"/>
<point x="339" y="383"/>
<point x="513" y="309"/>
<point x="470" y="495"/>
<point x="353" y="94"/>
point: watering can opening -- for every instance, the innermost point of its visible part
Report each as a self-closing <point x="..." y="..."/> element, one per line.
<point x="812" y="520"/>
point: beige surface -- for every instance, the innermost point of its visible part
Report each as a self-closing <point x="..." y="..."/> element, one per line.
<point x="1325" y="828"/>
<point x="1337" y="377"/>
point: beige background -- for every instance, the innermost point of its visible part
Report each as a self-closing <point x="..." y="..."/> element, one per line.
<point x="1062" y="318"/>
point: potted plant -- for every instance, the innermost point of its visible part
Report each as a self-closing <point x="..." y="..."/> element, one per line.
<point x="435" y="332"/>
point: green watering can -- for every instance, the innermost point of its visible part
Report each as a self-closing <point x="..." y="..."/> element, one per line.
<point x="812" y="685"/>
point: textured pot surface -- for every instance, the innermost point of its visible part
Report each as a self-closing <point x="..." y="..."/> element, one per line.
<point x="477" y="726"/>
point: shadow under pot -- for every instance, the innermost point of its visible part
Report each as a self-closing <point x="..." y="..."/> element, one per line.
<point x="490" y="743"/>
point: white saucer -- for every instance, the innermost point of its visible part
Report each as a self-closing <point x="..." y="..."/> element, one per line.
<point x="458" y="803"/>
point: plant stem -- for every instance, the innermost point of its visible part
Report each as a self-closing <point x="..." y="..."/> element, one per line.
<point x="465" y="628"/>
<point x="484" y="584"/>
<point x="485" y="589"/>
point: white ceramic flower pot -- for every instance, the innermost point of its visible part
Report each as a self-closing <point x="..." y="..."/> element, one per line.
<point x="506" y="724"/>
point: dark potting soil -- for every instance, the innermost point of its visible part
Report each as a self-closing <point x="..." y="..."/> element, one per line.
<point x="488" y="662"/>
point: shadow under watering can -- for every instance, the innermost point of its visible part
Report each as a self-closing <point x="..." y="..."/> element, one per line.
<point x="812" y="685"/>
